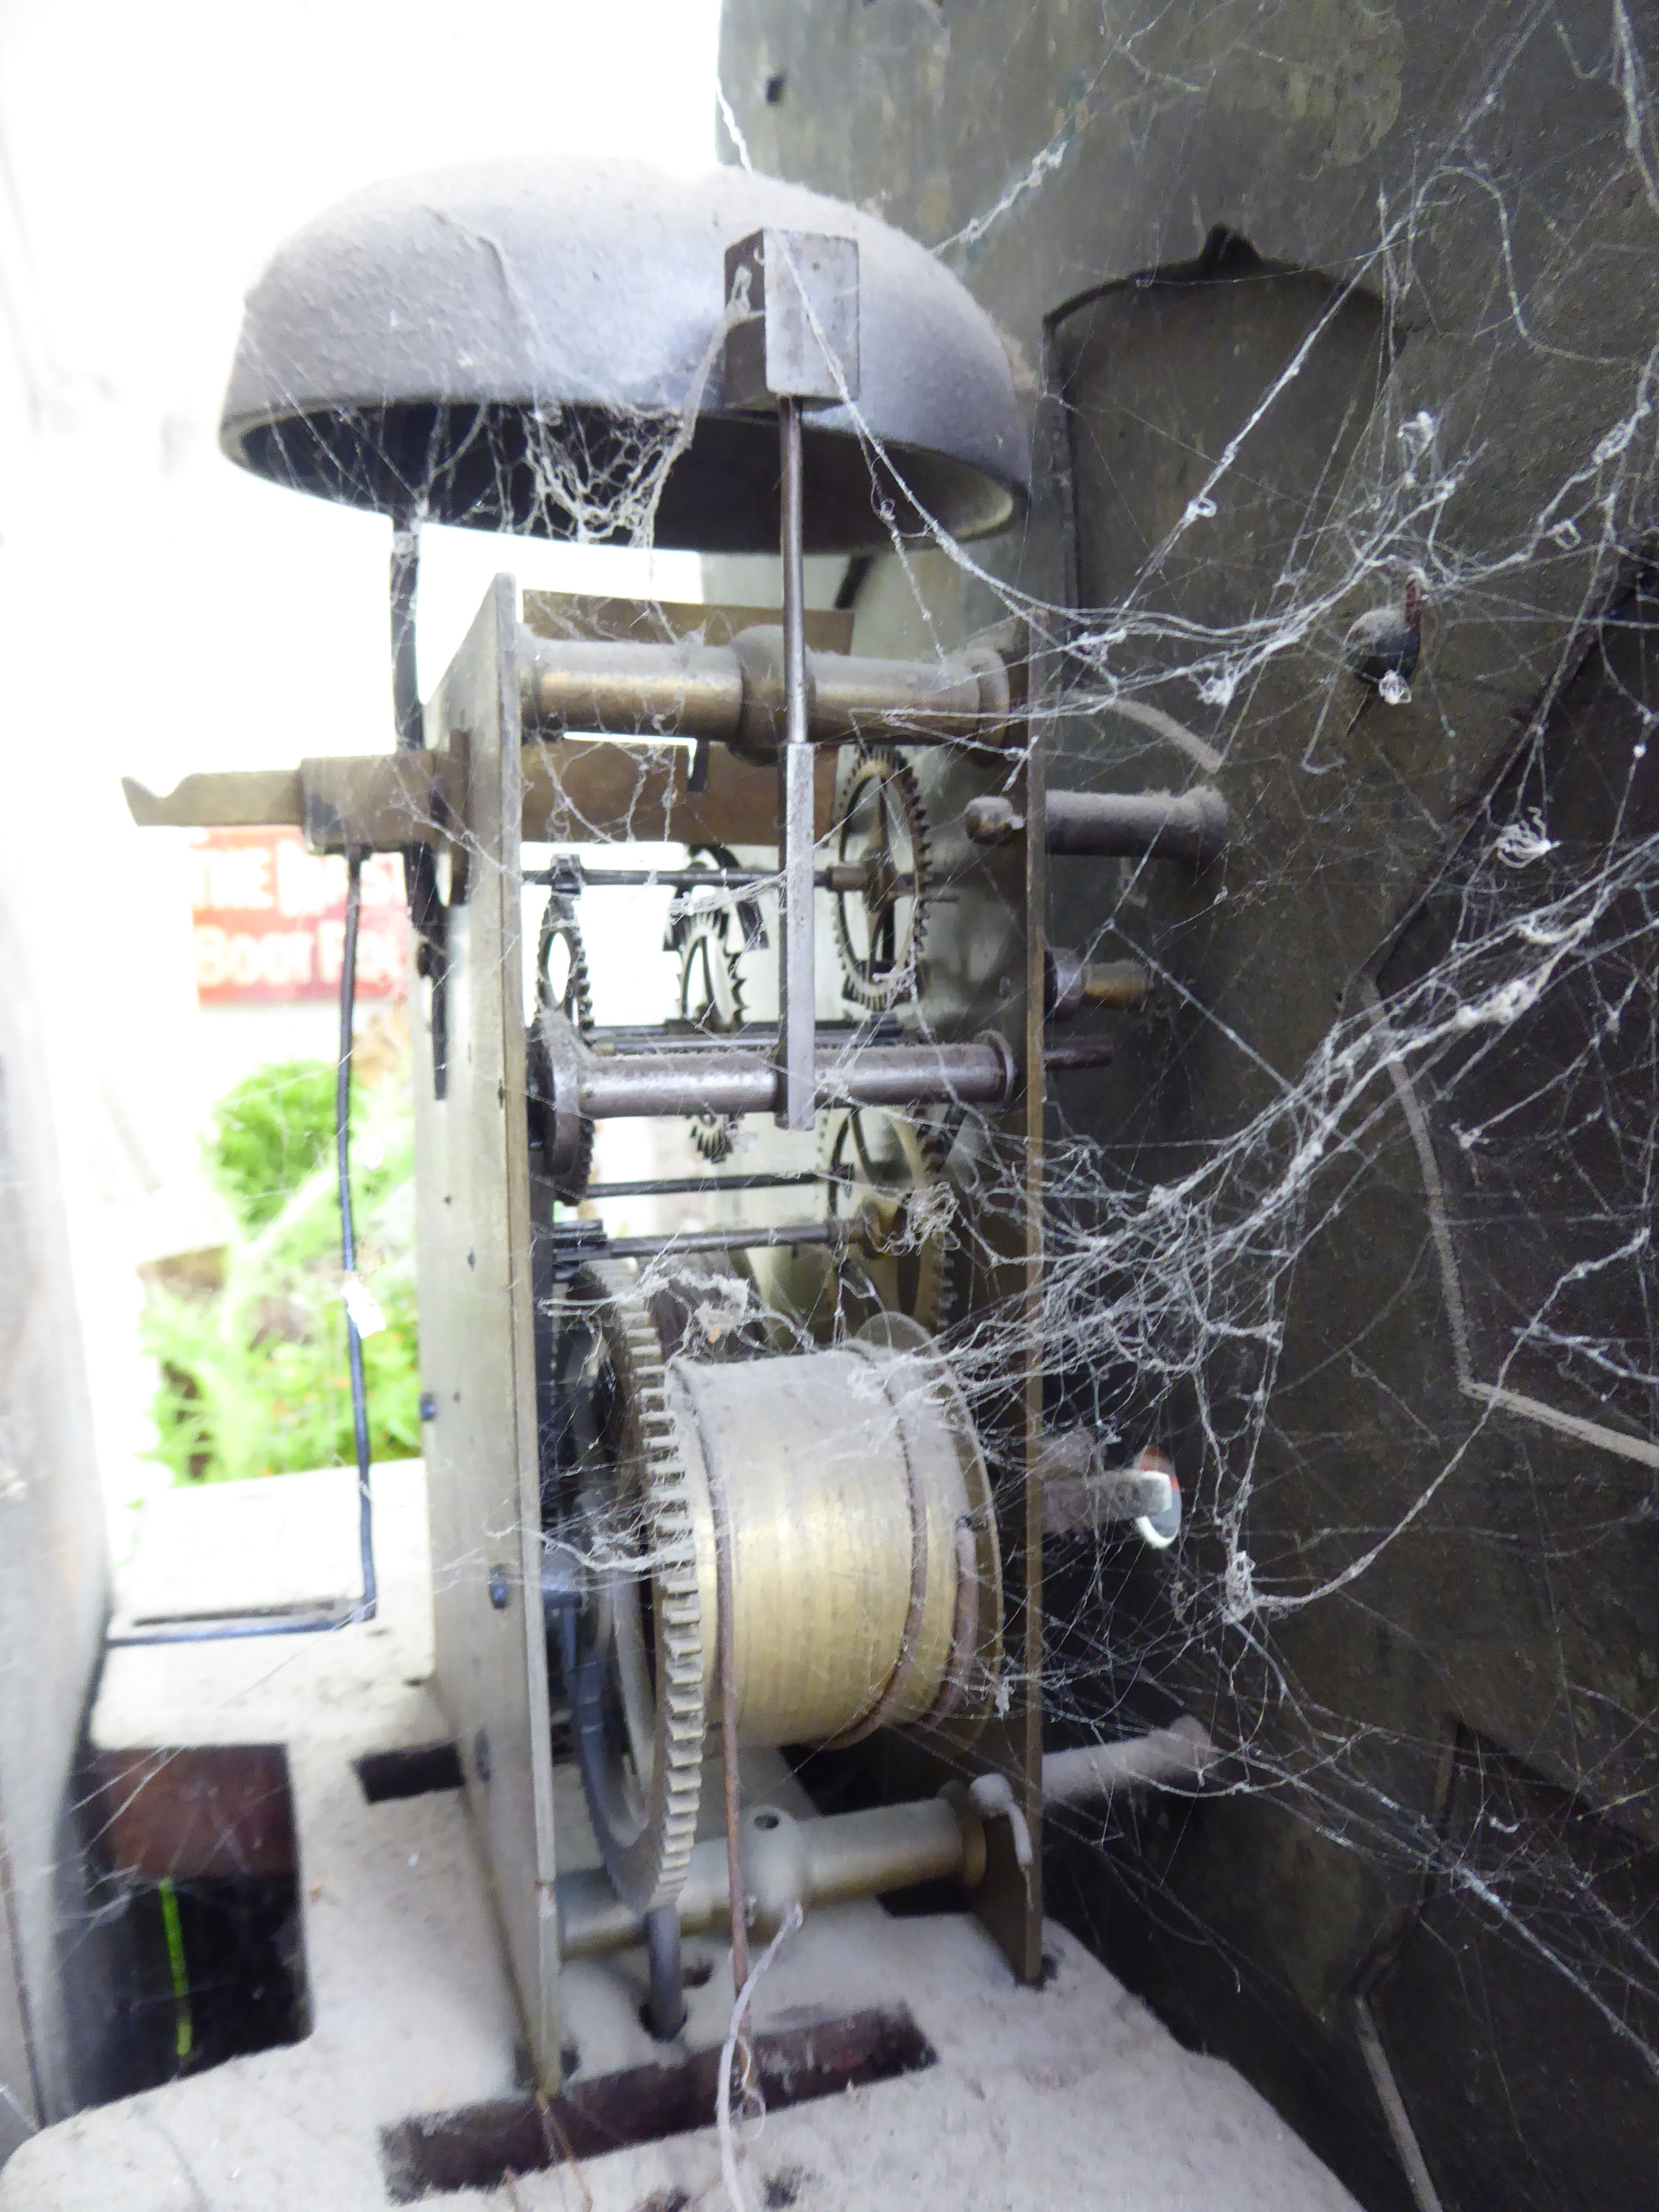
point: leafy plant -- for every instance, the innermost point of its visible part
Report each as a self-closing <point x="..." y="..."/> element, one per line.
<point x="254" y="1373"/>
<point x="267" y="1135"/>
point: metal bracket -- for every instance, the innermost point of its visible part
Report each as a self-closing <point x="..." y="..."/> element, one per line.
<point x="792" y="300"/>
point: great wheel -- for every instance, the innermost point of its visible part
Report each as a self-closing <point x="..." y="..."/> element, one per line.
<point x="632" y="1651"/>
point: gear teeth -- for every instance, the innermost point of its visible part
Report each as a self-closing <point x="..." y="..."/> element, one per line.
<point x="883" y="765"/>
<point x="649" y="1869"/>
<point x="707" y="935"/>
<point x="576" y="1003"/>
<point x="713" y="1135"/>
<point x="938" y="1143"/>
<point x="931" y="1143"/>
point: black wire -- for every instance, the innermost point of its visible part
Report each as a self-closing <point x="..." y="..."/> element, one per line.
<point x="227" y="1631"/>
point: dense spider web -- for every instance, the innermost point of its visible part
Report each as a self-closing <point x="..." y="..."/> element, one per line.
<point x="1489" y="1073"/>
<point x="1485" y="1074"/>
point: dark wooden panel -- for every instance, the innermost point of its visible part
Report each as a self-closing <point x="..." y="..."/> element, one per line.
<point x="478" y="2146"/>
<point x="187" y="1813"/>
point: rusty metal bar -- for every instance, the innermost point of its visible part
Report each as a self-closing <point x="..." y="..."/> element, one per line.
<point x="752" y="1237"/>
<point x="738" y="694"/>
<point x="1153" y="825"/>
<point x="644" y="1085"/>
<point x="584" y="1087"/>
<point x="843" y="1856"/>
<point x="1073" y="982"/>
<point x="824" y="1861"/>
<point x="578" y="791"/>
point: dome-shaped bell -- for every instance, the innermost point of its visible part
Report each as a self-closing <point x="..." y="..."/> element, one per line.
<point x="537" y="346"/>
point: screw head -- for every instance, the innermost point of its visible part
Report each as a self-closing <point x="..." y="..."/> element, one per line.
<point x="498" y="1587"/>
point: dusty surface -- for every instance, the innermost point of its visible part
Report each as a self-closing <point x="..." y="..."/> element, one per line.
<point x="285" y="1546"/>
<point x="1071" y="2095"/>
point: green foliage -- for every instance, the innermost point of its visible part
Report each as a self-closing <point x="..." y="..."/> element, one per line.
<point x="253" y="1375"/>
<point x="267" y="1135"/>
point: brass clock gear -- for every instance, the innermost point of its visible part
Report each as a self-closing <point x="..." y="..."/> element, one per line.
<point x="871" y="1597"/>
<point x="633" y="1655"/>
<point x="886" y="1171"/>
<point x="709" y="941"/>
<point x="880" y="839"/>
<point x="563" y="984"/>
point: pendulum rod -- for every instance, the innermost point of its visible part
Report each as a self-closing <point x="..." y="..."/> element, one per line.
<point x="796" y="961"/>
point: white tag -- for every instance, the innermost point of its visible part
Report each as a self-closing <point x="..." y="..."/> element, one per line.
<point x="362" y="1305"/>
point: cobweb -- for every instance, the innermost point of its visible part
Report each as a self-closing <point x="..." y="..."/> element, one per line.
<point x="1358" y="1225"/>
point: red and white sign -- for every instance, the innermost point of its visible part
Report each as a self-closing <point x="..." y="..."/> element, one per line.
<point x="270" y="921"/>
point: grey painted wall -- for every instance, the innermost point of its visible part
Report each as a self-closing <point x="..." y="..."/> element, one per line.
<point x="52" y="1583"/>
